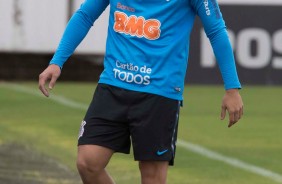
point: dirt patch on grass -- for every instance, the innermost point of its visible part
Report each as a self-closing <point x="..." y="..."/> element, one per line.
<point x="21" y="165"/>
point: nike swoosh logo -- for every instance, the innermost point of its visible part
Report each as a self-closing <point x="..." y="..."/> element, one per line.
<point x="161" y="152"/>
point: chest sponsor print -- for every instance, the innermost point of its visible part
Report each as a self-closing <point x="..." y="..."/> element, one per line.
<point x="137" y="26"/>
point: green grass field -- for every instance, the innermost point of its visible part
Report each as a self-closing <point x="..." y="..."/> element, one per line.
<point x="50" y="126"/>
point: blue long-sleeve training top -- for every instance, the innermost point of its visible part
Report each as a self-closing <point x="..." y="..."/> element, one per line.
<point x="148" y="42"/>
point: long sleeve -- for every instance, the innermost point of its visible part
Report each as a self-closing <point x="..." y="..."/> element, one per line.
<point x="77" y="28"/>
<point x="214" y="25"/>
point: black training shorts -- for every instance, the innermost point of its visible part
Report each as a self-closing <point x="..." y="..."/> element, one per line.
<point x="116" y="116"/>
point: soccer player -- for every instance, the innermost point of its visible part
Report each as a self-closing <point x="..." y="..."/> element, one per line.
<point x="139" y="93"/>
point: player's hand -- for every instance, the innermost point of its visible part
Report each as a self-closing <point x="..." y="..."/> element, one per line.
<point x="51" y="73"/>
<point x="232" y="102"/>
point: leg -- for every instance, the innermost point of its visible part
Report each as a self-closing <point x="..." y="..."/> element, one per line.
<point x="91" y="163"/>
<point x="153" y="132"/>
<point x="153" y="172"/>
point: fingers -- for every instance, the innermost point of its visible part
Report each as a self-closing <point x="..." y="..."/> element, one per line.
<point x="42" y="81"/>
<point x="232" y="119"/>
<point x="223" y="112"/>
<point x="232" y="102"/>
<point x="235" y="116"/>
<point x="53" y="81"/>
<point x="52" y="72"/>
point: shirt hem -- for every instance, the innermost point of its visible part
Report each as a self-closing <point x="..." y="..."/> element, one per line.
<point x="140" y="89"/>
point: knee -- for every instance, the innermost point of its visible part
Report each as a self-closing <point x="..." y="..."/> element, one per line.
<point x="84" y="166"/>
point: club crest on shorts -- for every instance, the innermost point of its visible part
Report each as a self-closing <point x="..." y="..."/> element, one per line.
<point x="81" y="130"/>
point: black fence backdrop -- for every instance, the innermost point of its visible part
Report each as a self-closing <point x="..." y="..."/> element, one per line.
<point x="256" y="34"/>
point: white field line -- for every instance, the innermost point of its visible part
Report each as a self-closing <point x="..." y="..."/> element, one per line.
<point x="186" y="145"/>
<point x="230" y="161"/>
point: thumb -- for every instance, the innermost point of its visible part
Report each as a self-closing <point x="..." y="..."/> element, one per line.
<point x="223" y="112"/>
<point x="53" y="82"/>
